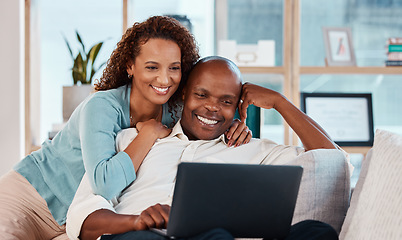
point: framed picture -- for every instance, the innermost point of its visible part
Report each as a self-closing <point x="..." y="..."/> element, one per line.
<point x="346" y="117"/>
<point x="338" y="47"/>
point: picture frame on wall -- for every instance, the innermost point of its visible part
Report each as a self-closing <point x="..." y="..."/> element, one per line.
<point x="347" y="117"/>
<point x="339" y="46"/>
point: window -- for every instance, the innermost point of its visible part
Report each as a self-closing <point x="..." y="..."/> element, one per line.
<point x="250" y="21"/>
<point x="372" y="23"/>
<point x="294" y="25"/>
<point x="200" y="14"/>
<point x="95" y="20"/>
<point x="247" y="22"/>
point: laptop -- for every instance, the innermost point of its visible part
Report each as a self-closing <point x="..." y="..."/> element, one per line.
<point x="249" y="201"/>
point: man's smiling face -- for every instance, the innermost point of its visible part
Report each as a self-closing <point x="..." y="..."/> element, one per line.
<point x="211" y="96"/>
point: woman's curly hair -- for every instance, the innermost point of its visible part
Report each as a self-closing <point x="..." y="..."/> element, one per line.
<point x="162" y="27"/>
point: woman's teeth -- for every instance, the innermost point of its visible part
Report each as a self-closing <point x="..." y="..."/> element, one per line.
<point x="160" y="90"/>
<point x="207" y="121"/>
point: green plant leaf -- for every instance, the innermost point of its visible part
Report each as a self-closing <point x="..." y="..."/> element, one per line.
<point x="80" y="40"/>
<point x="79" y="74"/>
<point x="84" y="71"/>
<point x="68" y="46"/>
<point x="84" y="63"/>
<point x="76" y="76"/>
<point x="97" y="69"/>
<point x="91" y="57"/>
<point x="93" y="53"/>
<point x="92" y="74"/>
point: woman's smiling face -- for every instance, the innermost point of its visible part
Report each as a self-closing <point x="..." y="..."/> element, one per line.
<point x="156" y="71"/>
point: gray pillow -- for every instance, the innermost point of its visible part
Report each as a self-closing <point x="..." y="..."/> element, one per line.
<point x="325" y="188"/>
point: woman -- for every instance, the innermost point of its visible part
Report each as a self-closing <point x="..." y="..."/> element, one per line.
<point x="146" y="70"/>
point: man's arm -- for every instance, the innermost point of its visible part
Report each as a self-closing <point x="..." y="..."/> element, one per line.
<point x="309" y="132"/>
<point x="104" y="221"/>
<point x="84" y="203"/>
<point x="90" y="216"/>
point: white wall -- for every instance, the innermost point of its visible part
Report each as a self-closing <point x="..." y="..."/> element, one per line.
<point x="11" y="83"/>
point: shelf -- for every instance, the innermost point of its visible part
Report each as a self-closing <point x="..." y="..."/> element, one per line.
<point x="270" y="70"/>
<point x="351" y="70"/>
<point x="362" y="150"/>
<point x="326" y="70"/>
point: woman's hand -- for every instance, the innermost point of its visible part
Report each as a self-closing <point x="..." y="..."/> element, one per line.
<point x="238" y="133"/>
<point x="148" y="132"/>
<point x="156" y="216"/>
<point x="154" y="128"/>
<point x="251" y="94"/>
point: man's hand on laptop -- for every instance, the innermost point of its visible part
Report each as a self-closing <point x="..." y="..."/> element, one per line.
<point x="104" y="221"/>
<point x="156" y="216"/>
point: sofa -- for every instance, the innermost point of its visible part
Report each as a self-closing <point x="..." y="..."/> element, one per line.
<point x="375" y="207"/>
<point x="374" y="210"/>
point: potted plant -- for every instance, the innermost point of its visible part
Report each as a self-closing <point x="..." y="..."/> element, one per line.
<point x="83" y="71"/>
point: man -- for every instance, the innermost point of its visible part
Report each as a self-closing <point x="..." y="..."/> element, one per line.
<point x="211" y="97"/>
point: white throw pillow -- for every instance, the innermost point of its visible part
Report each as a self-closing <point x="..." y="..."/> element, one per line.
<point x="376" y="206"/>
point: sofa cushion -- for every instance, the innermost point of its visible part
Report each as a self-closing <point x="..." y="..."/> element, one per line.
<point x="375" y="211"/>
<point x="325" y="187"/>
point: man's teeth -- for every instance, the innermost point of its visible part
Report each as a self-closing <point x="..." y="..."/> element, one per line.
<point x="160" y="89"/>
<point x="207" y="121"/>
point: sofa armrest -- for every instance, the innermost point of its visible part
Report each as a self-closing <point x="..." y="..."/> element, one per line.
<point x="325" y="187"/>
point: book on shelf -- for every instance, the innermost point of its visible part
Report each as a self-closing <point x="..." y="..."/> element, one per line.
<point x="394" y="48"/>
<point x="394" y="51"/>
<point x="394" y="40"/>
<point x="393" y="63"/>
<point x="394" y="56"/>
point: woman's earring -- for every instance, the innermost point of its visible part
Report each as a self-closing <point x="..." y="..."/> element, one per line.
<point x="129" y="76"/>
